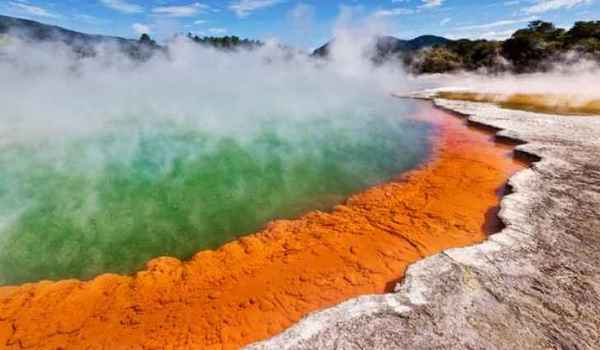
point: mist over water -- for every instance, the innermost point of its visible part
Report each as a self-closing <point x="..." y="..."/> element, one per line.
<point x="106" y="163"/>
<point x="576" y="81"/>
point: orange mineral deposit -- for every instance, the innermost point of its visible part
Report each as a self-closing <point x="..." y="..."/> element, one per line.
<point x="255" y="287"/>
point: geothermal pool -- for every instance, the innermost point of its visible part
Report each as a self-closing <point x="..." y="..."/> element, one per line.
<point x="257" y="286"/>
<point x="79" y="204"/>
<point x="106" y="164"/>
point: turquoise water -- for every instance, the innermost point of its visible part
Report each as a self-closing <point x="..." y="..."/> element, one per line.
<point x="78" y="206"/>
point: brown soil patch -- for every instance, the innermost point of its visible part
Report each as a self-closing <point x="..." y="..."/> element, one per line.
<point x="541" y="103"/>
<point x="256" y="287"/>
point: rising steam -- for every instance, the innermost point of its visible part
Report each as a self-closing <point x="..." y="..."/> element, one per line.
<point x="574" y="81"/>
<point x="107" y="162"/>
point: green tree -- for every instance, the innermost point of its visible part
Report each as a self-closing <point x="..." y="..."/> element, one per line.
<point x="485" y="54"/>
<point x="584" y="37"/>
<point x="530" y="48"/>
<point x="226" y="42"/>
<point x="476" y="54"/>
<point x="584" y="30"/>
<point x="439" y="60"/>
<point x="146" y="40"/>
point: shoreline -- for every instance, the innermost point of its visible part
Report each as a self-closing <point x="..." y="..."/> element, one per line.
<point x="537" y="103"/>
<point x="257" y="286"/>
<point x="534" y="285"/>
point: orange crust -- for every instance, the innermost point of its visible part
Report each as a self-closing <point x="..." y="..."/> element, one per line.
<point x="257" y="286"/>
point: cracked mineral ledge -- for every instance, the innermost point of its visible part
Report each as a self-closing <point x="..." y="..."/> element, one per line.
<point x="534" y="285"/>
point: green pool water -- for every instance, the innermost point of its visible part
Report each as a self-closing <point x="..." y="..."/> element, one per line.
<point x="110" y="201"/>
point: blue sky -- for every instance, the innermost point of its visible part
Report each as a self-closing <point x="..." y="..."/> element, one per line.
<point x="301" y="23"/>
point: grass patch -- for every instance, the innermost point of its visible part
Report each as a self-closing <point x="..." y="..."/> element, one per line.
<point x="541" y="103"/>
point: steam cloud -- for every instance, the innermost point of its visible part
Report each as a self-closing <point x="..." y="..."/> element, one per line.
<point x="98" y="144"/>
<point x="576" y="81"/>
<point x="86" y="122"/>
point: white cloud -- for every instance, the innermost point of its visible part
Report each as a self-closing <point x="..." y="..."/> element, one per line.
<point x="432" y="3"/>
<point x="497" y="24"/>
<point x="302" y="17"/>
<point x="139" y="28"/>
<point x="32" y="10"/>
<point x="180" y="10"/>
<point x="494" y="35"/>
<point x="542" y="6"/>
<point x="490" y="35"/>
<point x="217" y="31"/>
<point x="398" y="11"/>
<point x="243" y="8"/>
<point x="498" y="30"/>
<point x="122" y="6"/>
<point x="88" y="18"/>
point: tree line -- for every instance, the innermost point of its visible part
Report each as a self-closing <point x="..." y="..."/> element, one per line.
<point x="225" y="42"/>
<point x="221" y="42"/>
<point x="536" y="48"/>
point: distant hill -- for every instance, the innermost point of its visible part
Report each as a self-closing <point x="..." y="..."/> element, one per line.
<point x="82" y="43"/>
<point x="27" y="29"/>
<point x="86" y="44"/>
<point x="389" y="46"/>
<point x="538" y="47"/>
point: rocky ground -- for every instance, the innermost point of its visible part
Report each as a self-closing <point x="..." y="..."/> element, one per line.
<point x="534" y="285"/>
